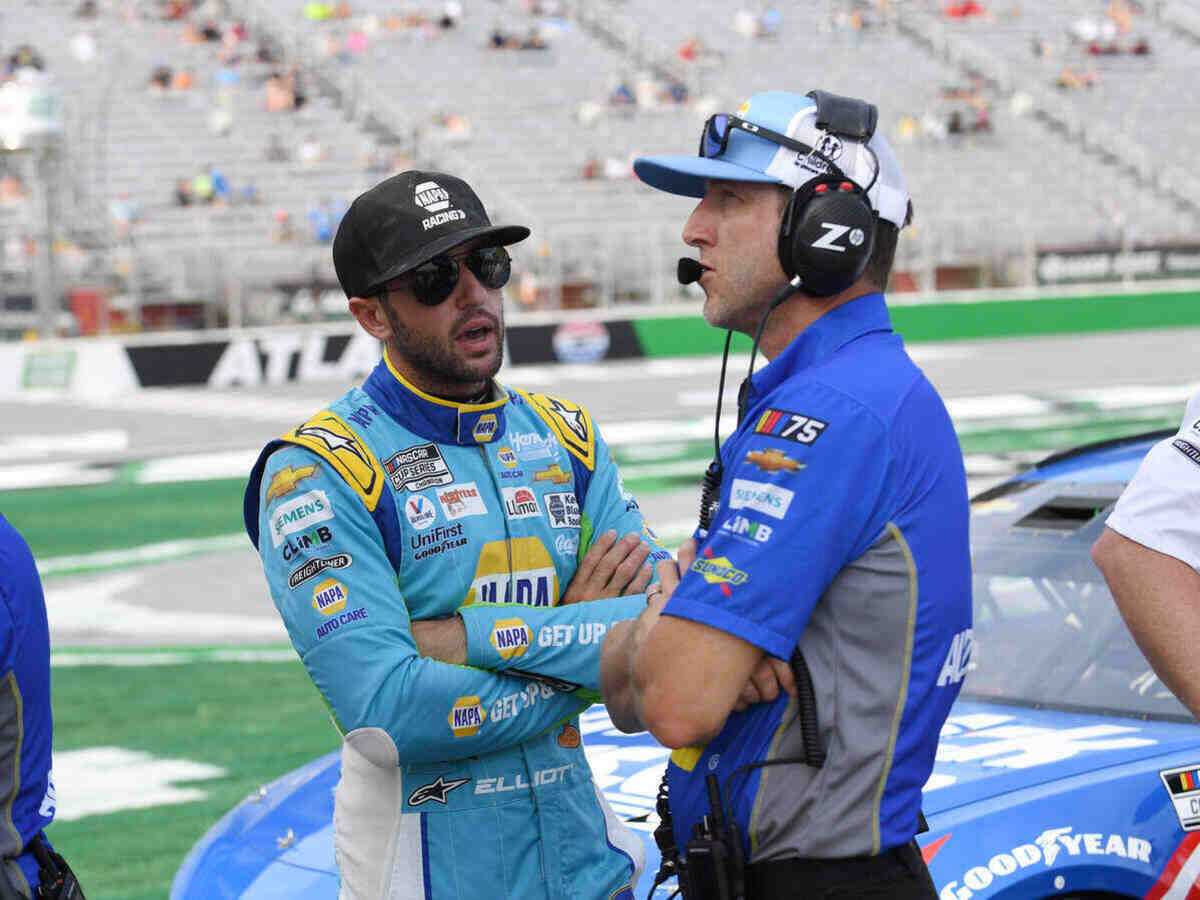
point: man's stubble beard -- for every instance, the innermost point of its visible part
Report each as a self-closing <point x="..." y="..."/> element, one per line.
<point x="436" y="356"/>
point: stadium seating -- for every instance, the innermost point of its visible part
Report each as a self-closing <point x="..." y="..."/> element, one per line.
<point x="1000" y="160"/>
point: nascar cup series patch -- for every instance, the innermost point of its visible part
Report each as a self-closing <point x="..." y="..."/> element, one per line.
<point x="511" y="638"/>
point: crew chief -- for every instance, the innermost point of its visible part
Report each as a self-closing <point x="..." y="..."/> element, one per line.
<point x="1149" y="553"/>
<point x="433" y="515"/>
<point x="840" y="530"/>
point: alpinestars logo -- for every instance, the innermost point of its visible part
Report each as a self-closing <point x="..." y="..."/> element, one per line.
<point x="436" y="791"/>
<point x="432" y="197"/>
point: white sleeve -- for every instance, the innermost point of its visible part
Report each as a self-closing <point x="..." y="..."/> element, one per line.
<point x="1160" y="508"/>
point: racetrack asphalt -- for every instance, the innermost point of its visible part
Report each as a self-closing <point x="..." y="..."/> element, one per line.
<point x="221" y="598"/>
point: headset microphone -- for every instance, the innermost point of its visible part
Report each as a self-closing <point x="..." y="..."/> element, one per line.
<point x="688" y="270"/>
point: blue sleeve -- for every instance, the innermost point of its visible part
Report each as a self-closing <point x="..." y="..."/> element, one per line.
<point x="791" y="515"/>
<point x="350" y="626"/>
<point x="564" y="642"/>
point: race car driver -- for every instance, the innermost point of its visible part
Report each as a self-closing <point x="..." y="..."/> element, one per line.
<point x="433" y="490"/>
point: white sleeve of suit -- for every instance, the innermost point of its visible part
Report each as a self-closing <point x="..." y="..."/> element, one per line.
<point x="1160" y="508"/>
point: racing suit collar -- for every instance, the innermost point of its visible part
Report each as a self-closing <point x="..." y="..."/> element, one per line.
<point x="831" y="332"/>
<point x="434" y="417"/>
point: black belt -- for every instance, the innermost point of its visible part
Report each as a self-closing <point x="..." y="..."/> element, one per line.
<point x="780" y="877"/>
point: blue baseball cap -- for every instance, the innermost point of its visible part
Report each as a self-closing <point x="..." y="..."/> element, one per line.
<point x="749" y="157"/>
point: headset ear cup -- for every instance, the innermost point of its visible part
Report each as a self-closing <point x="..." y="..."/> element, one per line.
<point x="826" y="236"/>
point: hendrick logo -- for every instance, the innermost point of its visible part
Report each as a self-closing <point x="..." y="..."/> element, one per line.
<point x="315" y="567"/>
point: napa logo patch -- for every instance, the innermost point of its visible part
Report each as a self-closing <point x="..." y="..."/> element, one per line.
<point x="466" y="717"/>
<point x="432" y="197"/>
<point x="329" y="597"/>
<point x="286" y="480"/>
<point x="511" y="638"/>
<point x="299" y="514"/>
<point x="720" y="571"/>
<point x="485" y="428"/>
<point x="533" y="580"/>
<point x="507" y="457"/>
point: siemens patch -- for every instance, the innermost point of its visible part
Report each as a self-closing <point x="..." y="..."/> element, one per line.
<point x="790" y="426"/>
<point x="299" y="514"/>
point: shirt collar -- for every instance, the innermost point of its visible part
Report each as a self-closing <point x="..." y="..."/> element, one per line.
<point x="434" y="417"/>
<point x="828" y="334"/>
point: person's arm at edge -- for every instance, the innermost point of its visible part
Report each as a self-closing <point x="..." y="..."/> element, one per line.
<point x="1159" y="599"/>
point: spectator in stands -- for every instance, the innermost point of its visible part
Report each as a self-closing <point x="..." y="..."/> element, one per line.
<point x="12" y="189"/>
<point x="202" y="186"/>
<point x="310" y="151"/>
<point x="280" y="97"/>
<point x="182" y="195"/>
<point x="621" y="94"/>
<point x="324" y="217"/>
<point x="221" y="190"/>
<point x="275" y="151"/>
<point x="452" y="15"/>
<point x="282" y="230"/>
<point x="24" y="57"/>
<point x="183" y="79"/>
<point x="124" y="213"/>
<point x="86" y="10"/>
<point x="160" y="79"/>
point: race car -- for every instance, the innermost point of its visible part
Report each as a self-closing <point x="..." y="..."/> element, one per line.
<point x="1066" y="769"/>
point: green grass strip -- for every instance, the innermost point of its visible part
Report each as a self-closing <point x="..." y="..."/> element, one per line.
<point x="76" y="520"/>
<point x="255" y="720"/>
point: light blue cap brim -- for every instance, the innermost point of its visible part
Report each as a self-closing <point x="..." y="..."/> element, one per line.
<point x="686" y="175"/>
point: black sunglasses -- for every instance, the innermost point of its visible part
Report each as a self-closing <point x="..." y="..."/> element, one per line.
<point x="714" y="140"/>
<point x="435" y="280"/>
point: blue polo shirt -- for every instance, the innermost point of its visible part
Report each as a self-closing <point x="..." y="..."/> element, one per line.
<point x="842" y="528"/>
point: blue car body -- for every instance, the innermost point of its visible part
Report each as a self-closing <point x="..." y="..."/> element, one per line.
<point x="1065" y="767"/>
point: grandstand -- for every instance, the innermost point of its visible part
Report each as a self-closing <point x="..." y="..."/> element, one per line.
<point x="1020" y="129"/>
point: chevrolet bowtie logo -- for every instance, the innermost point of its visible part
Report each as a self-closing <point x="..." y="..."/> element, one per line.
<point x="554" y="475"/>
<point x="773" y="461"/>
<point x="287" y="478"/>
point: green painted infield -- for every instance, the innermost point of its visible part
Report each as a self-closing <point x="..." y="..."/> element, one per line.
<point x="255" y="720"/>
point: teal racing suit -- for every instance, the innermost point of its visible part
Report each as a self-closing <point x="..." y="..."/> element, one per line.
<point x="392" y="506"/>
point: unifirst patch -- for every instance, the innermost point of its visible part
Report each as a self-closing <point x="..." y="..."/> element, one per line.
<point x="511" y="638"/>
<point x="466" y="718"/>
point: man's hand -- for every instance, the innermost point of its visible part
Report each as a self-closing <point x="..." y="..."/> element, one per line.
<point x="764" y="682"/>
<point x="610" y="568"/>
<point x="442" y="639"/>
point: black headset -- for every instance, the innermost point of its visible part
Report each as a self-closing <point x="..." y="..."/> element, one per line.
<point x="828" y="229"/>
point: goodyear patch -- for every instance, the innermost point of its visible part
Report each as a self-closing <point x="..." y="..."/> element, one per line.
<point x="329" y="597"/>
<point x="288" y="478"/>
<point x="511" y="638"/>
<point x="327" y="435"/>
<point x="571" y="425"/>
<point x="466" y="717"/>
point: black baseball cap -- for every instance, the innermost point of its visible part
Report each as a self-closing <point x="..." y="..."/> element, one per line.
<point x="406" y="220"/>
